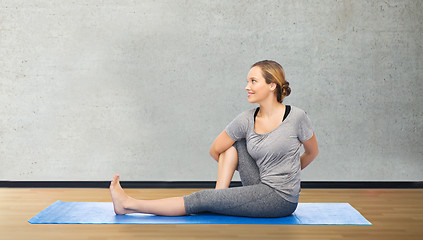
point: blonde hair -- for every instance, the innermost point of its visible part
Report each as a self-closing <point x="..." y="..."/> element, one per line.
<point x="273" y="73"/>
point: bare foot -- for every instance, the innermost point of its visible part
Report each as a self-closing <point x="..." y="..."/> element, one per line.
<point x="119" y="197"/>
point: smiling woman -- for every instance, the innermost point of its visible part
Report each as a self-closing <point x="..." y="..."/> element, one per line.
<point x="262" y="143"/>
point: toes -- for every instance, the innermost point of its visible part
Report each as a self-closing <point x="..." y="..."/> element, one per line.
<point x="115" y="178"/>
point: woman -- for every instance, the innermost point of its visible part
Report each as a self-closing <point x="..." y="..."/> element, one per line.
<point x="262" y="143"/>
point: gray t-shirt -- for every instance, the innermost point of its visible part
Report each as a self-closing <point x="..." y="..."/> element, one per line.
<point x="277" y="153"/>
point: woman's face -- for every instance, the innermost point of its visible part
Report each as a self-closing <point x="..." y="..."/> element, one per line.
<point x="257" y="88"/>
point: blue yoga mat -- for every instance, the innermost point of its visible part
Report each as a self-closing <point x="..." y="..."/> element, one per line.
<point x="103" y="213"/>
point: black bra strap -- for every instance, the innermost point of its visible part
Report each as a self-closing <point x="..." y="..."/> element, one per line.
<point x="255" y="114"/>
<point x="287" y="110"/>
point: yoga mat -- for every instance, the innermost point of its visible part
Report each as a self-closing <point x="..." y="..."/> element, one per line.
<point x="103" y="213"/>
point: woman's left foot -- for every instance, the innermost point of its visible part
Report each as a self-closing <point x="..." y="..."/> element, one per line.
<point x="119" y="197"/>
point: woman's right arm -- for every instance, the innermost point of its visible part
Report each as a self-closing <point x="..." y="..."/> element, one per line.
<point x="222" y="143"/>
<point x="310" y="151"/>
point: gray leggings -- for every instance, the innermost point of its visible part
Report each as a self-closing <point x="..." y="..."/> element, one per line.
<point x="253" y="199"/>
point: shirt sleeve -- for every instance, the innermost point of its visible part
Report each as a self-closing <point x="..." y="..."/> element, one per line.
<point x="305" y="129"/>
<point x="237" y="128"/>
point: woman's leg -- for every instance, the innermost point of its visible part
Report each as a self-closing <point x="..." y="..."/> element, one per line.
<point x="257" y="200"/>
<point x="237" y="158"/>
<point x="228" y="162"/>
<point x="124" y="204"/>
<point x="247" y="166"/>
<point x="177" y="206"/>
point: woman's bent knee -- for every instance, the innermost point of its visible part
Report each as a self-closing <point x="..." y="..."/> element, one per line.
<point x="230" y="153"/>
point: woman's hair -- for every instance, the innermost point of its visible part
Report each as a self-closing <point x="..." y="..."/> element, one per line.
<point x="273" y="72"/>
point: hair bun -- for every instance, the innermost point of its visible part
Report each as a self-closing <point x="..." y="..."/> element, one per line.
<point x="286" y="90"/>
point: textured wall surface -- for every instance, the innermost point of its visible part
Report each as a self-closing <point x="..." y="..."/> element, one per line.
<point x="142" y="88"/>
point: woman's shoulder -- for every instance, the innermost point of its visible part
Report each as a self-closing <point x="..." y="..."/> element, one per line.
<point x="298" y="111"/>
<point x="297" y="108"/>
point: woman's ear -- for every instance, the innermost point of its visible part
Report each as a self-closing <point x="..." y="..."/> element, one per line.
<point x="273" y="86"/>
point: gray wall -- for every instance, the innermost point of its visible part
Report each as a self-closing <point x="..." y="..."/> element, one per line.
<point x="142" y="88"/>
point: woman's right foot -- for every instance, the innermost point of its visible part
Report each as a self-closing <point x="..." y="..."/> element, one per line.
<point x="119" y="197"/>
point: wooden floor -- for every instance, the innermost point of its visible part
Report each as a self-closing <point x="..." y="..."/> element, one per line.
<point x="394" y="213"/>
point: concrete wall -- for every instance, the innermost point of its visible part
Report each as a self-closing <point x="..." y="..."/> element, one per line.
<point x="142" y="88"/>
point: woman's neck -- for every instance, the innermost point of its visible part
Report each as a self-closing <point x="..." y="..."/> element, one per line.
<point x="270" y="110"/>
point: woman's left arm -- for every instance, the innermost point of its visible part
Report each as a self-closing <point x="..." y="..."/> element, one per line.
<point x="310" y="151"/>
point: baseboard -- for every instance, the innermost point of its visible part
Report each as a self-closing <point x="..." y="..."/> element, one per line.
<point x="199" y="184"/>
